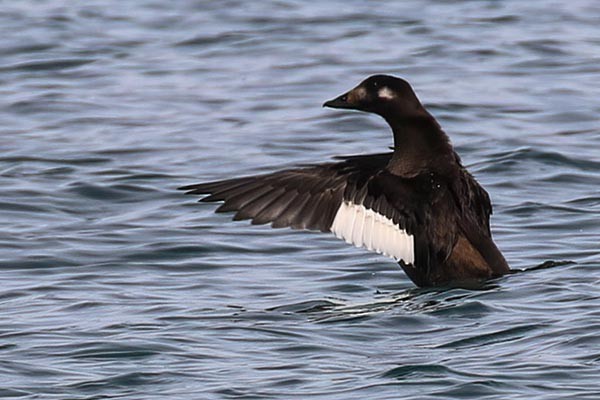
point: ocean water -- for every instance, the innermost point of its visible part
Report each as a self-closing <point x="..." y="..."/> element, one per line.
<point x="115" y="285"/>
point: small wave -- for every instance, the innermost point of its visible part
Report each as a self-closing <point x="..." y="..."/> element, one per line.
<point x="47" y="65"/>
<point x="500" y="336"/>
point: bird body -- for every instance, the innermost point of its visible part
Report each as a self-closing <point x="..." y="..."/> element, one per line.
<point x="417" y="204"/>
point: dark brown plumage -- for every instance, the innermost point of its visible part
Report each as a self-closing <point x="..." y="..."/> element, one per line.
<point x="420" y="192"/>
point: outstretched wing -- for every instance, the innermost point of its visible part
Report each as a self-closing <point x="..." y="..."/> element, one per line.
<point x="346" y="198"/>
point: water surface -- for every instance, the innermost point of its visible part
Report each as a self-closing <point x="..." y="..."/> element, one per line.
<point x="114" y="285"/>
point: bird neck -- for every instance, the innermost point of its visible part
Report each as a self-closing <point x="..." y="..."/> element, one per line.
<point x="420" y="145"/>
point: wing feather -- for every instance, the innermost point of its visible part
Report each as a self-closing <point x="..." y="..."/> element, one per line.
<point x="348" y="198"/>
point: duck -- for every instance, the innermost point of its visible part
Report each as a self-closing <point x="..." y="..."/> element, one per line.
<point x="416" y="204"/>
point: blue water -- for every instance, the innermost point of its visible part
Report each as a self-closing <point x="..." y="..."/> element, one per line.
<point x="115" y="285"/>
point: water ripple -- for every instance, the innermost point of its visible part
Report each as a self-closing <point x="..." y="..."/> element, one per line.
<point x="116" y="286"/>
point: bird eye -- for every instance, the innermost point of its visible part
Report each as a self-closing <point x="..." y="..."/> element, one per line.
<point x="375" y="84"/>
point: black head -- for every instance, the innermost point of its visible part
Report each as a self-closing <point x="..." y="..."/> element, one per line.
<point x="384" y="95"/>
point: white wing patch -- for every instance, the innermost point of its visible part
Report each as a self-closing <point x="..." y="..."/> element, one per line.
<point x="363" y="227"/>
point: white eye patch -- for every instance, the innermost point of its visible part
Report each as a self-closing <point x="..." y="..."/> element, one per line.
<point x="386" y="93"/>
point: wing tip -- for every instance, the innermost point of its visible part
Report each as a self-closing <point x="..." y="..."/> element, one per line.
<point x="195" y="189"/>
<point x="195" y="186"/>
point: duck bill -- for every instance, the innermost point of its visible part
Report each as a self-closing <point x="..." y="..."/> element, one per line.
<point x="343" y="101"/>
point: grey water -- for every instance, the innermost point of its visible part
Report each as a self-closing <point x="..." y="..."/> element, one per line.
<point x="115" y="285"/>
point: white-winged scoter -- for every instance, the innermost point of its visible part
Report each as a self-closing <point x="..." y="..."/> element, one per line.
<point x="417" y="204"/>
